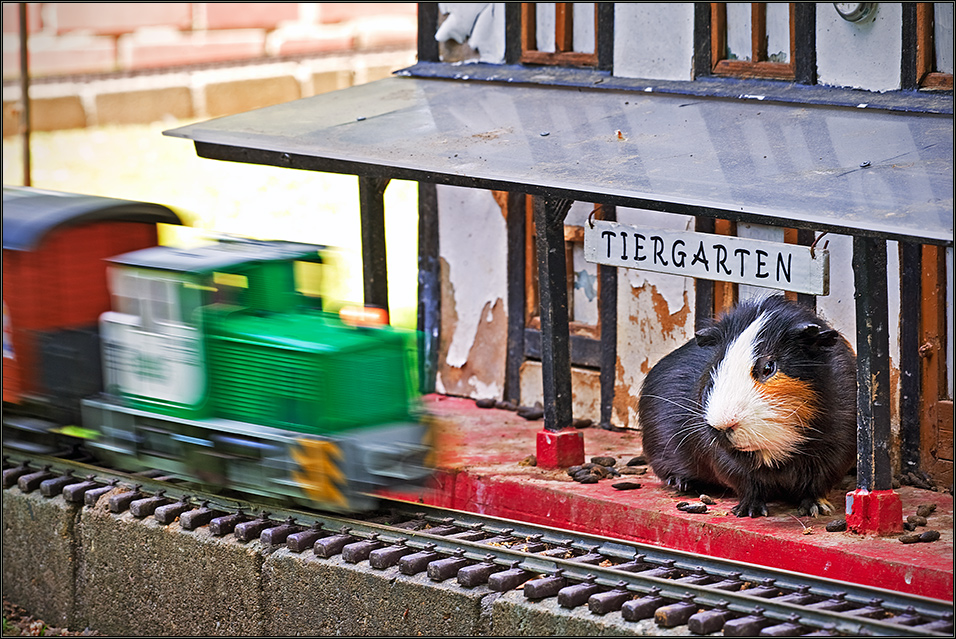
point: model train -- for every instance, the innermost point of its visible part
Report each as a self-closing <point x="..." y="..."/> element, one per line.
<point x="219" y="365"/>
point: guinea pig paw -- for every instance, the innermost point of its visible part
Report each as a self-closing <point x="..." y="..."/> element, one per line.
<point x="814" y="506"/>
<point x="682" y="484"/>
<point x="750" y="508"/>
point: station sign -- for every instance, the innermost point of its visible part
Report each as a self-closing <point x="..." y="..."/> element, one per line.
<point x="788" y="267"/>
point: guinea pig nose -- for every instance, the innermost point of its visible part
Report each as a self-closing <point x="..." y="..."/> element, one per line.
<point x="727" y="424"/>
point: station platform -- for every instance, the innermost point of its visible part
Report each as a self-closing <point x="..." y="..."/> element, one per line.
<point x="484" y="467"/>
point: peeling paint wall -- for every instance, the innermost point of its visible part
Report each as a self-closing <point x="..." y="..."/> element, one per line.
<point x="655" y="316"/>
<point x="474" y="325"/>
<point x="585" y="390"/>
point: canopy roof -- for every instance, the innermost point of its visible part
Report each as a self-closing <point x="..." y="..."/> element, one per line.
<point x="858" y="171"/>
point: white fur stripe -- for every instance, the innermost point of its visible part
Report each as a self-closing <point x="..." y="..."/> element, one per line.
<point x="733" y="391"/>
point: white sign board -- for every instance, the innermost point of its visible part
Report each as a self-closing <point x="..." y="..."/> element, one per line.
<point x="789" y="267"/>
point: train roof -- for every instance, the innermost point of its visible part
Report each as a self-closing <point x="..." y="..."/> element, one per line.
<point x="227" y="253"/>
<point x="30" y="214"/>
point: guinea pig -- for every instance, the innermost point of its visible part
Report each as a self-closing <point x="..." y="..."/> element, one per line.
<point x="762" y="402"/>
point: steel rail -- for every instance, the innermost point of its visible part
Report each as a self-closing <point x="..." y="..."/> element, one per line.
<point x="615" y="552"/>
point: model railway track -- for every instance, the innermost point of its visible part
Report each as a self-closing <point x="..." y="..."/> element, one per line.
<point x="675" y="589"/>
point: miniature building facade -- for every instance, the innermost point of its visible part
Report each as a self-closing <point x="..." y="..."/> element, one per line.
<point x="707" y="49"/>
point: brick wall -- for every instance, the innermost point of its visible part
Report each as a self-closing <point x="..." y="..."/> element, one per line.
<point x="126" y="63"/>
<point x="93" y="37"/>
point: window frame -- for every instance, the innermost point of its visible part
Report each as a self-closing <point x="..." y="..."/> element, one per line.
<point x="758" y="66"/>
<point x="927" y="77"/>
<point x="572" y="234"/>
<point x="563" y="55"/>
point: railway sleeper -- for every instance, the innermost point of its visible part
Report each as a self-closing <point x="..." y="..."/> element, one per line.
<point x="676" y="614"/>
<point x="710" y="621"/>
<point x="360" y="550"/>
<point x="120" y="503"/>
<point x="748" y="626"/>
<point x="578" y="594"/>
<point x="13" y="473"/>
<point x="225" y="524"/>
<point x="644" y="607"/>
<point x="417" y="562"/>
<point x="302" y="540"/>
<point x="31" y="481"/>
<point x="279" y="534"/>
<point x="201" y="516"/>
<point x="447" y="567"/>
<point x="248" y="530"/>
<point x="604" y="602"/>
<point x="75" y="493"/>
<point x="790" y="628"/>
<point x="330" y="546"/>
<point x="168" y="513"/>
<point x="382" y="558"/>
<point x="92" y="496"/>
<point x="510" y="579"/>
<point x="545" y="587"/>
<point x="146" y="506"/>
<point x="478" y="574"/>
<point x="55" y="485"/>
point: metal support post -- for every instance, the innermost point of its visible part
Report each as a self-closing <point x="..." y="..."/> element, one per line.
<point x="429" y="286"/>
<point x="374" y="269"/>
<point x="608" y="318"/>
<point x="873" y="507"/>
<point x="549" y="214"/>
<point x="516" y="229"/>
<point x="873" y="365"/>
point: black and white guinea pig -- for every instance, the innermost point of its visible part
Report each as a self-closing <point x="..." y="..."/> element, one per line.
<point x="762" y="402"/>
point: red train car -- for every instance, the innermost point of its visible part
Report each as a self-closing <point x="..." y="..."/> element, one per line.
<point x="54" y="290"/>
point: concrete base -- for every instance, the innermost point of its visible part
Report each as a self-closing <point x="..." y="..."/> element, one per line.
<point x="84" y="567"/>
<point x="39" y="556"/>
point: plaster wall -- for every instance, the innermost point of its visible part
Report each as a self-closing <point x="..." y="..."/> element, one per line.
<point x="861" y="55"/>
<point x="473" y="244"/>
<point x="640" y="52"/>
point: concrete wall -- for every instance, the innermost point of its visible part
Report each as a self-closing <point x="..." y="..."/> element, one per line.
<point x="83" y="567"/>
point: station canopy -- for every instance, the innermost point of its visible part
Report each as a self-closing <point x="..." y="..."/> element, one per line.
<point x="851" y="170"/>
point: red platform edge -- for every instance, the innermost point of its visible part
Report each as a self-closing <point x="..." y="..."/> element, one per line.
<point x="879" y="512"/>
<point x="593" y="513"/>
<point x="480" y="471"/>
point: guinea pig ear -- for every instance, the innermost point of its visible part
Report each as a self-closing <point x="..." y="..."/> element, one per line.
<point x="813" y="335"/>
<point x="707" y="336"/>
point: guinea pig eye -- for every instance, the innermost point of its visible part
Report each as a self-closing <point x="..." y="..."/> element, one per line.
<point x="766" y="369"/>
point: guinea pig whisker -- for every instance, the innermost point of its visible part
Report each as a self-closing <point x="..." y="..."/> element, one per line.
<point x="693" y="407"/>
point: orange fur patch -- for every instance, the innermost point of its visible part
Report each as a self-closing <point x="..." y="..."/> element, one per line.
<point x="791" y="396"/>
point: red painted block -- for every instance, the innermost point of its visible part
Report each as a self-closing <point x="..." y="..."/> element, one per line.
<point x="560" y="449"/>
<point x="875" y="513"/>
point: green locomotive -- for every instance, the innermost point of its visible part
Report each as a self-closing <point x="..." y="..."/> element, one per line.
<point x="221" y="367"/>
